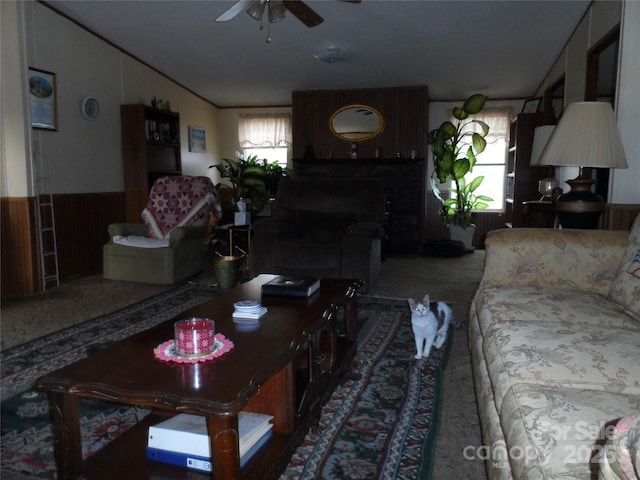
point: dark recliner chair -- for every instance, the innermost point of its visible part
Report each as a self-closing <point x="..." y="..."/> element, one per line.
<point x="327" y="228"/>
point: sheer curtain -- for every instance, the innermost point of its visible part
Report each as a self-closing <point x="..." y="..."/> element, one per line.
<point x="492" y="162"/>
<point x="265" y="130"/>
<point x="499" y="121"/>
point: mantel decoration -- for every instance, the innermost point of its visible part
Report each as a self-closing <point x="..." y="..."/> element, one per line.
<point x="587" y="136"/>
<point x="454" y="149"/>
<point x="356" y="123"/>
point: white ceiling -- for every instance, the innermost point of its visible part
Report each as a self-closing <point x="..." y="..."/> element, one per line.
<point x="501" y="48"/>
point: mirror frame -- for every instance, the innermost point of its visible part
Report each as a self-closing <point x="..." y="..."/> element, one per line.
<point x="361" y="139"/>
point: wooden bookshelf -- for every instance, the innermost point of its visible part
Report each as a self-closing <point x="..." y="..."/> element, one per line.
<point x="522" y="179"/>
<point x="150" y="150"/>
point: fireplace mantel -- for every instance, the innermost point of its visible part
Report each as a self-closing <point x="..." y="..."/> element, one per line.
<point x="404" y="181"/>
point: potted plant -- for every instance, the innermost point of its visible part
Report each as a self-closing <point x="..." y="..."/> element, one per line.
<point x="454" y="148"/>
<point x="247" y="179"/>
<point x="275" y="173"/>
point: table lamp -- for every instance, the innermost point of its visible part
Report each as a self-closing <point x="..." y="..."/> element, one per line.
<point x="541" y="137"/>
<point x="586" y="136"/>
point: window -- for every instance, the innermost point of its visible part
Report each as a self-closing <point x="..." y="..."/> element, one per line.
<point x="492" y="162"/>
<point x="266" y="135"/>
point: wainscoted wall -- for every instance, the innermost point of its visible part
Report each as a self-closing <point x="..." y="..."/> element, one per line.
<point x="81" y="230"/>
<point x="19" y="244"/>
<point x="619" y="216"/>
<point x="81" y="226"/>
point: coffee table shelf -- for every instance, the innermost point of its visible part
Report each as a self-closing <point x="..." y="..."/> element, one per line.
<point x="125" y="459"/>
<point x="287" y="368"/>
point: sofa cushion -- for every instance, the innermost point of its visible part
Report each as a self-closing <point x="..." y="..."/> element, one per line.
<point x="625" y="288"/>
<point x="549" y="304"/>
<point x="560" y="353"/>
<point x="620" y="459"/>
<point x="551" y="431"/>
<point x="141" y="242"/>
<point x="575" y="260"/>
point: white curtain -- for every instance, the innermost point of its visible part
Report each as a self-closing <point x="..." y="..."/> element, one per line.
<point x="265" y="130"/>
<point x="499" y="121"/>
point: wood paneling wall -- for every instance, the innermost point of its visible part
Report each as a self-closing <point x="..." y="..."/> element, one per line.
<point x="19" y="242"/>
<point x="405" y="111"/>
<point x="619" y="216"/>
<point x="81" y="231"/>
<point x="81" y="227"/>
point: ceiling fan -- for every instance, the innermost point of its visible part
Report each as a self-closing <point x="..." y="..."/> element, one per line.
<point x="275" y="10"/>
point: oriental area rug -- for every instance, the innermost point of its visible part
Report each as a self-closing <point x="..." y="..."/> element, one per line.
<point x="381" y="421"/>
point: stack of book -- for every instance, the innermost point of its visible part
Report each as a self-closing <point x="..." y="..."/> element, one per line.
<point x="248" y="311"/>
<point x="183" y="440"/>
<point x="286" y="286"/>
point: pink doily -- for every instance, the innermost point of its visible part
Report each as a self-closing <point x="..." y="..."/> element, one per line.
<point x="167" y="351"/>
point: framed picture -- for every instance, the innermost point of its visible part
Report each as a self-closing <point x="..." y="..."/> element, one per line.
<point x="43" y="96"/>
<point x="532" y="105"/>
<point x="197" y="142"/>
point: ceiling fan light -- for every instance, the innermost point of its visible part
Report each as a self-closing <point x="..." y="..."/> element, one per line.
<point x="276" y="11"/>
<point x="256" y="9"/>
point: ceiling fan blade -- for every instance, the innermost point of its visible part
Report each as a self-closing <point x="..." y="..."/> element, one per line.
<point x="303" y="13"/>
<point x="234" y="10"/>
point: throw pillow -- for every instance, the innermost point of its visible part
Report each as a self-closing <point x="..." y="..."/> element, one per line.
<point x="625" y="288"/>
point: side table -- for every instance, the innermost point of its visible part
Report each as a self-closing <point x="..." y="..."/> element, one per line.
<point x="539" y="214"/>
<point x="237" y="236"/>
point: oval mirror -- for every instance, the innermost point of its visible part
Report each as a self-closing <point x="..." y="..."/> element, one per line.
<point x="356" y="123"/>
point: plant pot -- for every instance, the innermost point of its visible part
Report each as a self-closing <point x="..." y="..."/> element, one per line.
<point x="464" y="235"/>
<point x="227" y="270"/>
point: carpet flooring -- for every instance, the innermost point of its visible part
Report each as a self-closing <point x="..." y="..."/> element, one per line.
<point x="449" y="279"/>
<point x="380" y="422"/>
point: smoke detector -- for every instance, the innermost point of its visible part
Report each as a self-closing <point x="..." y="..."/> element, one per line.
<point x="331" y="55"/>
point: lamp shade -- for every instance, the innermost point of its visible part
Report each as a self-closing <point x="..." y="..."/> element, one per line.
<point x="587" y="136"/>
<point x="541" y="136"/>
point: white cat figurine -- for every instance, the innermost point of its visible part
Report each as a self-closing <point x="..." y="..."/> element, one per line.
<point x="430" y="322"/>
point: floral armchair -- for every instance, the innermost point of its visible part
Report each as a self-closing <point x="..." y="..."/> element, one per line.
<point x="169" y="245"/>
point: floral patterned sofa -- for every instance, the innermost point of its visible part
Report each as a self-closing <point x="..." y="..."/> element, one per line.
<point x="555" y="341"/>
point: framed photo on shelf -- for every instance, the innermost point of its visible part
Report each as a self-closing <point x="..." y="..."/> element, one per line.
<point x="43" y="97"/>
<point x="532" y="105"/>
<point x="197" y="140"/>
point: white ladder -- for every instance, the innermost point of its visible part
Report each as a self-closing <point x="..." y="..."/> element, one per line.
<point x="46" y="224"/>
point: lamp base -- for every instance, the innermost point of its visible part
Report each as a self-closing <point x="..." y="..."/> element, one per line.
<point x="579" y="208"/>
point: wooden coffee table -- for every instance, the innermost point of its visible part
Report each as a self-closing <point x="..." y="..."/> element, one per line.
<point x="286" y="367"/>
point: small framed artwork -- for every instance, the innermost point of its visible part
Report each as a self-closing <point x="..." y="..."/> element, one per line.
<point x="532" y="105"/>
<point x="42" y="94"/>
<point x="197" y="140"/>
